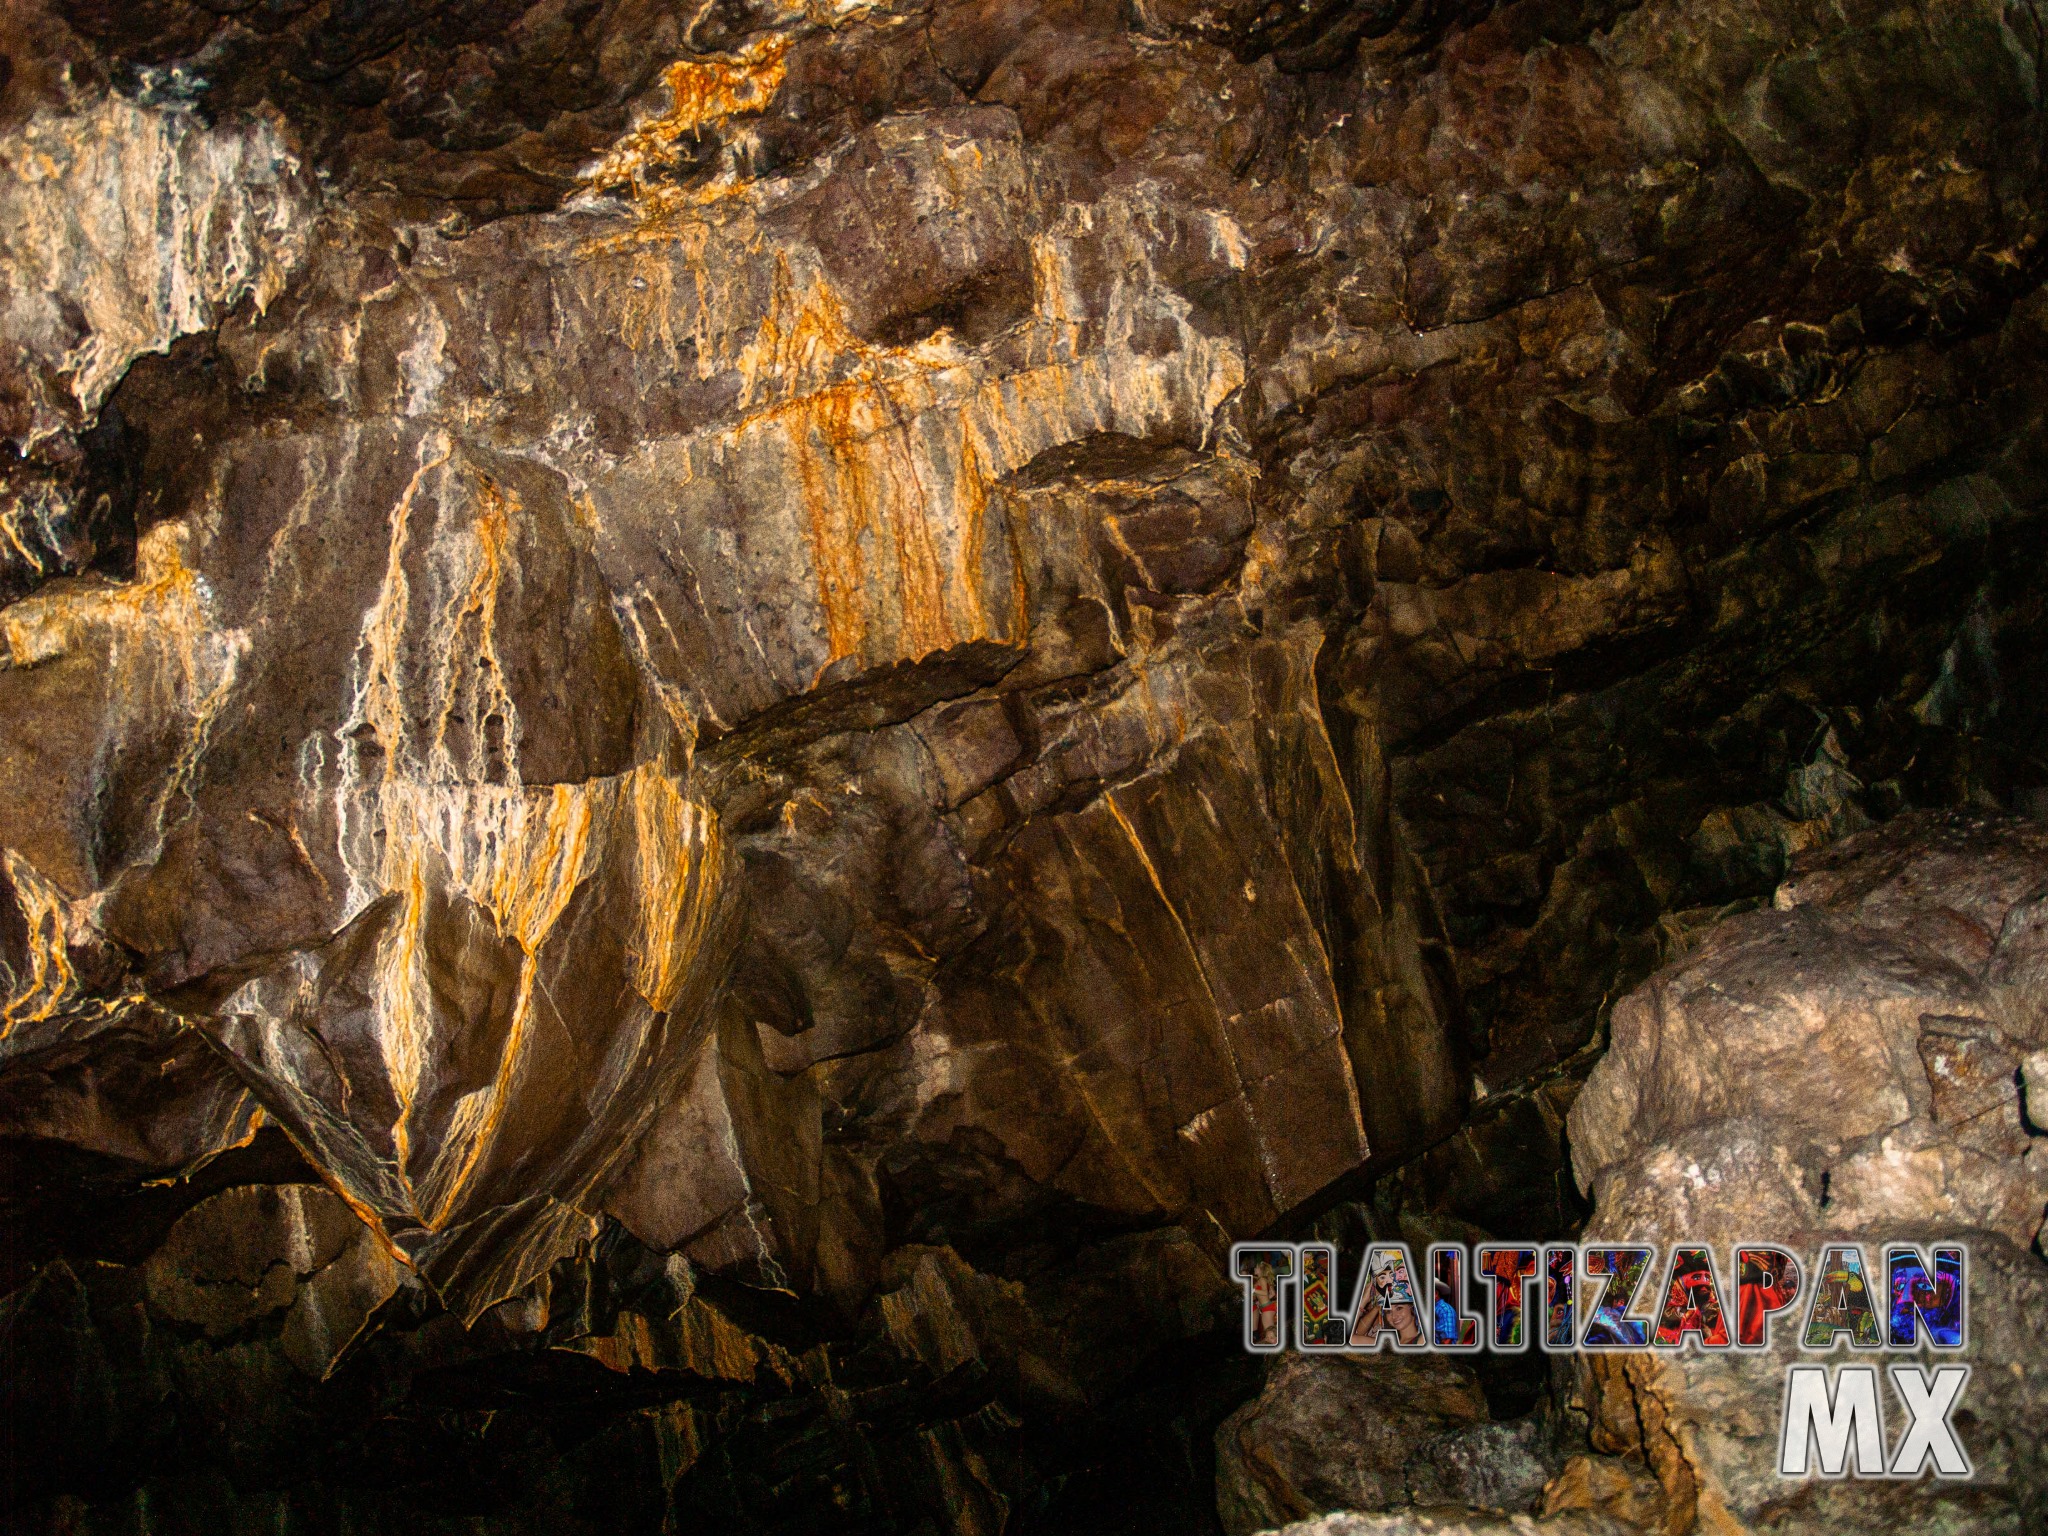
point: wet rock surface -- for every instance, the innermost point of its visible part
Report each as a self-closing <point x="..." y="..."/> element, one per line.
<point x="721" y="730"/>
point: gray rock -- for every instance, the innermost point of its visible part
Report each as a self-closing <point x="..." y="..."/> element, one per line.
<point x="1375" y="1432"/>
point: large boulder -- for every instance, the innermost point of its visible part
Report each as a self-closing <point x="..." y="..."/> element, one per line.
<point x="1851" y="1065"/>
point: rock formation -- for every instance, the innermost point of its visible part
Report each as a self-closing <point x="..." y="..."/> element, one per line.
<point x="1859" y="1063"/>
<point x="1376" y="1432"/>
<point x="722" y="728"/>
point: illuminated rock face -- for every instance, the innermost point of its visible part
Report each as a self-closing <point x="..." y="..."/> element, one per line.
<point x="454" y="752"/>
<point x="928" y="659"/>
<point x="1859" y="1064"/>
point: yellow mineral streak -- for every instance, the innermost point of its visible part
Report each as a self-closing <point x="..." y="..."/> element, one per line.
<point x="678" y="1439"/>
<point x="521" y="854"/>
<point x="50" y="981"/>
<point x="893" y="452"/>
<point x="28" y="523"/>
<point x="420" y="815"/>
<point x="701" y="92"/>
<point x="455" y="662"/>
<point x="649" y="308"/>
<point x="974" y="482"/>
<point x="851" y="493"/>
<point x="163" y="608"/>
<point x="380" y="688"/>
<point x="156" y="642"/>
<point x="1052" y="283"/>
<point x="407" y="1023"/>
<point x="894" y="521"/>
<point x="474" y="641"/>
<point x="527" y="892"/>
<point x="51" y="986"/>
<point x="526" y="882"/>
<point x="680" y="854"/>
<point x="803" y="343"/>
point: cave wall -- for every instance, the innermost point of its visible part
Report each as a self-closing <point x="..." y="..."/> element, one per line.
<point x="731" y="727"/>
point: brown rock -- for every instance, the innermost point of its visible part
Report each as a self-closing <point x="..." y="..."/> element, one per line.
<point x="722" y="651"/>
<point x="1838" y="1069"/>
<point x="248" y="1253"/>
<point x="1371" y="1432"/>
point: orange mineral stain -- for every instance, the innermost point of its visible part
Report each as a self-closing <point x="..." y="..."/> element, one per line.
<point x="701" y="92"/>
<point x="51" y="983"/>
<point x="521" y="854"/>
<point x="855" y="417"/>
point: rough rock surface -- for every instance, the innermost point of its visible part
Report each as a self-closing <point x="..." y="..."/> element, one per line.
<point x="1847" y="1065"/>
<point x="808" y="694"/>
<point x="1455" y="1523"/>
<point x="1856" y="1064"/>
<point x="1377" y="1432"/>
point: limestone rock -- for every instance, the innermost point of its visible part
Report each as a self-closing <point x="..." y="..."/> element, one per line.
<point x="1844" y="1067"/>
<point x="1848" y="1060"/>
<point x="1375" y="1432"/>
<point x="125" y="227"/>
<point x="744" y="669"/>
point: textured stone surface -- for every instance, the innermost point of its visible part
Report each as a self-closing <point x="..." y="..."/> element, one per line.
<point x="258" y="1249"/>
<point x="1844" y="1067"/>
<point x="724" y="663"/>
<point x="1378" y="1432"/>
<point x="1455" y="1523"/>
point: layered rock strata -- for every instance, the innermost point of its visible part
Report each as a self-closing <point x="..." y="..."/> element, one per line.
<point x="710" y="668"/>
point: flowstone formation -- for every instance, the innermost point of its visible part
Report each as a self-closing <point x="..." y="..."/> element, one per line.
<point x="723" y="728"/>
